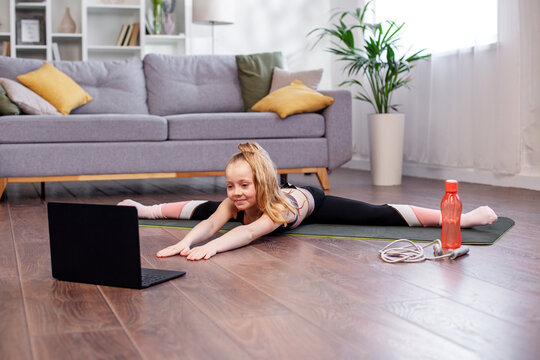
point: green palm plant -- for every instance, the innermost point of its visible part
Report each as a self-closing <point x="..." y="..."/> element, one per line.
<point x="372" y="50"/>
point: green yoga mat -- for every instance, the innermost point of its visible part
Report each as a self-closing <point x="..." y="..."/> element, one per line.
<point x="479" y="235"/>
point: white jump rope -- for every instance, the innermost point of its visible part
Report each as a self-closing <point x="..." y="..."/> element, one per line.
<point x="415" y="253"/>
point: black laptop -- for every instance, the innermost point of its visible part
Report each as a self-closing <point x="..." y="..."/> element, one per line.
<point x="99" y="244"/>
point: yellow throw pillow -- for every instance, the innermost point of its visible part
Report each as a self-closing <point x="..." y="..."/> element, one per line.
<point x="293" y="99"/>
<point x="55" y="87"/>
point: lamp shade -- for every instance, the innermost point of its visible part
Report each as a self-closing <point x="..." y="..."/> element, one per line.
<point x="217" y="12"/>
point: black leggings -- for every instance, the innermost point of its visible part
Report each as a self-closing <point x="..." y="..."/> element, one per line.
<point x="337" y="210"/>
<point x="330" y="210"/>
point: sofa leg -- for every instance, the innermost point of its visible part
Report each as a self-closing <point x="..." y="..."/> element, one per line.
<point x="42" y="190"/>
<point x="3" y="184"/>
<point x="322" y="175"/>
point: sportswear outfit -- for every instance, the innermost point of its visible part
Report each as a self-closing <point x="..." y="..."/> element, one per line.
<point x="322" y="209"/>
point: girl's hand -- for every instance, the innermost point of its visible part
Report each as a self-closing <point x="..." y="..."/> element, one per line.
<point x="201" y="252"/>
<point x="181" y="248"/>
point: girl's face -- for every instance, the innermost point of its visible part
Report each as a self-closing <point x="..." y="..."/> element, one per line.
<point x="240" y="186"/>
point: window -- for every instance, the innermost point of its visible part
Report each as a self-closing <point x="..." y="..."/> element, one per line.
<point x="442" y="26"/>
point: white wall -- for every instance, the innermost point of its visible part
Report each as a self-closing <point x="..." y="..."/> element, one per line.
<point x="276" y="25"/>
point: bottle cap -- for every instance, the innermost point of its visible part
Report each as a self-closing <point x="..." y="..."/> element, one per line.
<point x="451" y="186"/>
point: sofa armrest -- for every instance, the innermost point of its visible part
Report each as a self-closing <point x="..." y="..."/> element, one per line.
<point x="338" y="127"/>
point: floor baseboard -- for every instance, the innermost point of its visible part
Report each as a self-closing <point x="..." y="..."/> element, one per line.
<point x="522" y="181"/>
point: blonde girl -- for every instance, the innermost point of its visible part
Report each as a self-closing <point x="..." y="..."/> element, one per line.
<point x="255" y="199"/>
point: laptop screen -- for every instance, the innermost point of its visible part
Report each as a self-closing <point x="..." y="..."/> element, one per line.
<point x="96" y="244"/>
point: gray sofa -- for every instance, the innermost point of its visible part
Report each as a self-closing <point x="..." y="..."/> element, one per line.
<point x="164" y="116"/>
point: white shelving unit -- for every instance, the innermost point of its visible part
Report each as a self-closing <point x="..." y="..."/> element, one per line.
<point x="176" y="43"/>
<point x="102" y="22"/>
<point x="166" y="44"/>
<point x="4" y="21"/>
<point x="70" y="45"/>
<point x="35" y="11"/>
<point x="98" y="25"/>
<point x="49" y="13"/>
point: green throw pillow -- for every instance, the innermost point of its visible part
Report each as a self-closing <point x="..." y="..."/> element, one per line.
<point x="6" y="106"/>
<point x="255" y="75"/>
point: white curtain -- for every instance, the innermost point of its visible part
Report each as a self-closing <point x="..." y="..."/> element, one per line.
<point x="463" y="109"/>
<point x="530" y="84"/>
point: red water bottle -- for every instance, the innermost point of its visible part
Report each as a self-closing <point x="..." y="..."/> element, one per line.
<point x="451" y="216"/>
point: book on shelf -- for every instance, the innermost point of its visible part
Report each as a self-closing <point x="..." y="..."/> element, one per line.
<point x="122" y="35"/>
<point x="148" y="27"/>
<point x="128" y="35"/>
<point x="55" y="51"/>
<point x="149" y="22"/>
<point x="134" y="34"/>
<point x="6" y="48"/>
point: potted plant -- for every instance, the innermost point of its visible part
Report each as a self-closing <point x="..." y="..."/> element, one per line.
<point x="373" y="51"/>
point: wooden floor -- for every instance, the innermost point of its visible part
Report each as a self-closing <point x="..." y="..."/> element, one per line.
<point x="281" y="297"/>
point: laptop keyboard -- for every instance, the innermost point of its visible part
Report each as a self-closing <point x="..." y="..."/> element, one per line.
<point x="148" y="279"/>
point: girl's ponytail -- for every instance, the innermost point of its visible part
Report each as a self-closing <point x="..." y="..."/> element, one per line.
<point x="250" y="148"/>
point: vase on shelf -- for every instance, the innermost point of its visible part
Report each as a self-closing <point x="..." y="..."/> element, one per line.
<point x="169" y="18"/>
<point x="67" y="25"/>
<point x="157" y="11"/>
<point x="169" y="23"/>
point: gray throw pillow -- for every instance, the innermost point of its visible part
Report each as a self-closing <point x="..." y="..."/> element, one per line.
<point x="282" y="78"/>
<point x="255" y="75"/>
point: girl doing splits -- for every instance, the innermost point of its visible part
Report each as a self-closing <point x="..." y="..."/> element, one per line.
<point x="255" y="199"/>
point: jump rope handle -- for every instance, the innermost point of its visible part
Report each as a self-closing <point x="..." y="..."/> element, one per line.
<point x="459" y="252"/>
<point x="437" y="248"/>
<point x="455" y="253"/>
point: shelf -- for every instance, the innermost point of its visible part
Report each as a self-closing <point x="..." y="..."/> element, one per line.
<point x="106" y="7"/>
<point x="112" y="3"/>
<point x="30" y="5"/>
<point x="31" y="47"/>
<point x="164" y="38"/>
<point x="65" y="35"/>
<point x="113" y="48"/>
<point x="4" y="34"/>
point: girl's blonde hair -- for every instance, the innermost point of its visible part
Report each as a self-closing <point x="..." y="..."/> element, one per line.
<point x="270" y="199"/>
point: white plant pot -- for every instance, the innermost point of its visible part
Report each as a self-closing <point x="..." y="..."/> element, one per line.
<point x="386" y="148"/>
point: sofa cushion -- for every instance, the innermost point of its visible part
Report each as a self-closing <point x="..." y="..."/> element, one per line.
<point x="55" y="87"/>
<point x="150" y="156"/>
<point x="180" y="84"/>
<point x="12" y="67"/>
<point x="82" y="128"/>
<point x="244" y="126"/>
<point x="118" y="86"/>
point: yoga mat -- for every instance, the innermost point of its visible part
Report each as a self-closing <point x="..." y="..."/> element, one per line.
<point x="479" y="235"/>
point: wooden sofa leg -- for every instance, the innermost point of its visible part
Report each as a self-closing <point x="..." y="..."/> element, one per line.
<point x="322" y="175"/>
<point x="3" y="184"/>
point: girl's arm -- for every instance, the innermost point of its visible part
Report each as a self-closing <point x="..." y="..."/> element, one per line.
<point x="235" y="238"/>
<point x="202" y="231"/>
